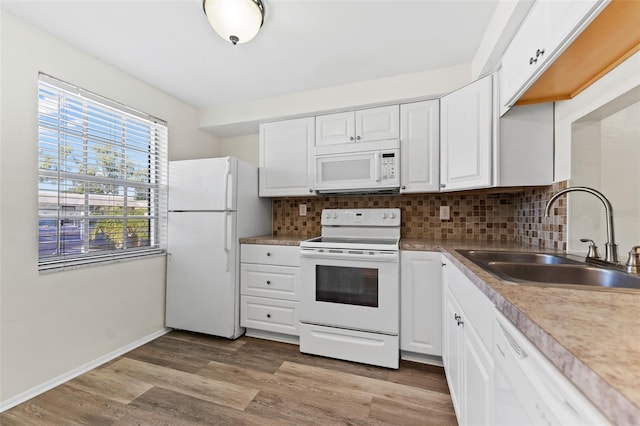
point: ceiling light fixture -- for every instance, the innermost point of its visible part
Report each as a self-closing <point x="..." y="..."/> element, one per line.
<point x="235" y="20"/>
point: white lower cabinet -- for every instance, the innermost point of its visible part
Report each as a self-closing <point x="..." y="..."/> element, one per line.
<point x="269" y="290"/>
<point x="466" y="352"/>
<point x="420" y="303"/>
<point x="529" y="390"/>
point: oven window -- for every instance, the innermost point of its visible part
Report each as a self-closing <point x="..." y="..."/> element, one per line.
<point x="352" y="286"/>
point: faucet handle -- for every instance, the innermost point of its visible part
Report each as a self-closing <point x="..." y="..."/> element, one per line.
<point x="593" y="249"/>
<point x="633" y="263"/>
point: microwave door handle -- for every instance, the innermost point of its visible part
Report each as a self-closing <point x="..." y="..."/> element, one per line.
<point x="377" y="166"/>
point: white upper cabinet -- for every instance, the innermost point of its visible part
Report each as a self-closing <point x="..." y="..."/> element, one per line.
<point x="367" y="125"/>
<point x="466" y="121"/>
<point x="286" y="158"/>
<point x="547" y="30"/>
<point x="478" y="149"/>
<point x="335" y="128"/>
<point x="420" y="147"/>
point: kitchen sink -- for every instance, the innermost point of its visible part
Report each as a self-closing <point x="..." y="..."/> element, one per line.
<point x="486" y="256"/>
<point x="544" y="269"/>
<point x="559" y="274"/>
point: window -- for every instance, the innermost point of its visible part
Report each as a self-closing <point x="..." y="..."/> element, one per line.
<point x="102" y="178"/>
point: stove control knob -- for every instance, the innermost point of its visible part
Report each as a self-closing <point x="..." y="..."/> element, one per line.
<point x="327" y="215"/>
<point x="335" y="215"/>
<point x="392" y="215"/>
<point x="384" y="215"/>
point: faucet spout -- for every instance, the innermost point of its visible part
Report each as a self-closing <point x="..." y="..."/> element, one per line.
<point x="611" y="249"/>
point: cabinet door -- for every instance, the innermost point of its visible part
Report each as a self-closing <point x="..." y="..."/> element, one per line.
<point x="375" y="124"/>
<point x="466" y="136"/>
<point x="563" y="21"/>
<point x="286" y="158"/>
<point x="477" y="396"/>
<point x="519" y="60"/>
<point x="420" y="147"/>
<point x="334" y="129"/>
<point x="421" y="302"/>
<point x="452" y="335"/>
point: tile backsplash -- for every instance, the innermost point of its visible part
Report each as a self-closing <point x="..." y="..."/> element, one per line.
<point x="475" y="215"/>
<point x="532" y="227"/>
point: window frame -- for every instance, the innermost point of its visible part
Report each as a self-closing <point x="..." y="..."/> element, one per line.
<point x="116" y="190"/>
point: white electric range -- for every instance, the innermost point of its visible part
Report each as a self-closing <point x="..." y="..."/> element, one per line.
<point x="350" y="295"/>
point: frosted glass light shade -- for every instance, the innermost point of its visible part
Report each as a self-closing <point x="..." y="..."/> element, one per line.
<point x="237" y="21"/>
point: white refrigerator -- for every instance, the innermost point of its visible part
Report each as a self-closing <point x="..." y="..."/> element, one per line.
<point x="213" y="202"/>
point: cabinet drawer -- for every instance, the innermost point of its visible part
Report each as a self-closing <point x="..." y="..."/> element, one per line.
<point x="270" y="254"/>
<point x="272" y="281"/>
<point x="279" y="316"/>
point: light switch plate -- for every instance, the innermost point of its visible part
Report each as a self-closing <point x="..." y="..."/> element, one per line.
<point x="302" y="209"/>
<point x="445" y="213"/>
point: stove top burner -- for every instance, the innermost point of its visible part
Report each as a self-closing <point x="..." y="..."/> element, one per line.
<point x="346" y="240"/>
<point x="358" y="229"/>
<point x="327" y="243"/>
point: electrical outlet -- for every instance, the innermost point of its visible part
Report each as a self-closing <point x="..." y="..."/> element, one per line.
<point x="302" y="209"/>
<point x="445" y="214"/>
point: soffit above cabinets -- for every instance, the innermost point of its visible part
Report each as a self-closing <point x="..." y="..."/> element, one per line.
<point x="612" y="37"/>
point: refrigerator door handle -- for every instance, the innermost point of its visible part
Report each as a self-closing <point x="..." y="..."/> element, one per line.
<point x="227" y="175"/>
<point x="227" y="244"/>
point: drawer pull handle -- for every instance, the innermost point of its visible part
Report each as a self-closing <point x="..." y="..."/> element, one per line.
<point x="268" y="282"/>
<point x="268" y="315"/>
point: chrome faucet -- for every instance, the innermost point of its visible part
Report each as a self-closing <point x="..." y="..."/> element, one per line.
<point x="610" y="248"/>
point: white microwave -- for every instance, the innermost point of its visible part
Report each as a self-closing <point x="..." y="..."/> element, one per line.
<point x="362" y="171"/>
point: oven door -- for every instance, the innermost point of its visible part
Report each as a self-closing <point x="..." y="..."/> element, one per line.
<point x="354" y="289"/>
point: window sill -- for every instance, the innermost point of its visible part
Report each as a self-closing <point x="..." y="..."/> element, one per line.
<point x="70" y="264"/>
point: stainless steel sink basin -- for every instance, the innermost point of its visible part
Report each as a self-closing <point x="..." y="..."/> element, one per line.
<point x="545" y="269"/>
<point x="487" y="256"/>
<point x="558" y="274"/>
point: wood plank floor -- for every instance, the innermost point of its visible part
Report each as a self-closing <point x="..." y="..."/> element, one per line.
<point x="186" y="378"/>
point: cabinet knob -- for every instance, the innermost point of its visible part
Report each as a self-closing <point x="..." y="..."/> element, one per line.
<point x="350" y="138"/>
<point x="442" y="185"/>
<point x="268" y="253"/>
<point x="456" y="317"/>
<point x="460" y="322"/>
<point x="403" y="187"/>
<point x="268" y="315"/>
<point x="532" y="60"/>
<point x="268" y="282"/>
<point x="311" y="190"/>
<point x="358" y="137"/>
<point x="539" y="52"/>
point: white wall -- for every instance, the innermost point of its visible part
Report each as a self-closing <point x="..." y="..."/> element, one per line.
<point x="244" y="117"/>
<point x="53" y="323"/>
<point x="246" y="147"/>
<point x="590" y="130"/>
<point x="605" y="155"/>
<point x="617" y="82"/>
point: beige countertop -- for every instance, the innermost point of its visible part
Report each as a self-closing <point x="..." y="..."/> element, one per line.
<point x="592" y="337"/>
<point x="279" y="240"/>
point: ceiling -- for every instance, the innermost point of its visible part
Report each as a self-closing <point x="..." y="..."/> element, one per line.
<point x="303" y="44"/>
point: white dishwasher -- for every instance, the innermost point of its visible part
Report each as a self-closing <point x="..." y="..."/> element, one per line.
<point x="529" y="390"/>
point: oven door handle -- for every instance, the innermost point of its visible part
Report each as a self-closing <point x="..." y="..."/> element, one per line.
<point x="350" y="255"/>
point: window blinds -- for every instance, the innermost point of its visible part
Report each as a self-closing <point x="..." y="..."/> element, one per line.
<point x="102" y="178"/>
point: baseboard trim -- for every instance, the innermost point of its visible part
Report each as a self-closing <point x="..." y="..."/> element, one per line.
<point x="423" y="359"/>
<point x="57" y="381"/>
<point x="269" y="335"/>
